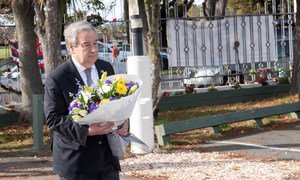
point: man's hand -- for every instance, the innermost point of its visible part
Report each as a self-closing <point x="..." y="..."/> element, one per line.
<point x="100" y="128"/>
<point x="123" y="129"/>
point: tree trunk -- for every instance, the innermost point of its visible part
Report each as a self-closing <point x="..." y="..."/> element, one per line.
<point x="29" y="71"/>
<point x="209" y="7"/>
<point x="153" y="7"/>
<point x="296" y="64"/>
<point x="220" y="9"/>
<point x="49" y="23"/>
<point x="126" y="17"/>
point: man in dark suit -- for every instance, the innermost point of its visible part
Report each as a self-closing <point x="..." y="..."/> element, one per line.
<point x="79" y="151"/>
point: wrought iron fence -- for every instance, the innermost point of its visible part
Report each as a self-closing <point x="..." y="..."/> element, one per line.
<point x="252" y="48"/>
<point x="203" y="51"/>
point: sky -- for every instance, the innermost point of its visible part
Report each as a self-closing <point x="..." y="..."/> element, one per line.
<point x="117" y="11"/>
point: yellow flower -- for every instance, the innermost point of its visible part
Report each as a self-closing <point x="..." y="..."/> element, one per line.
<point x="83" y="112"/>
<point x="121" y="88"/>
<point x="121" y="80"/>
<point x="76" y="110"/>
<point x="76" y="117"/>
<point x="88" y="89"/>
<point x="132" y="89"/>
<point x="104" y="101"/>
<point x="103" y="76"/>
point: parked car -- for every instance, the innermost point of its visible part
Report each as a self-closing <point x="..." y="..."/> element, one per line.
<point x="125" y="52"/>
<point x="106" y="50"/>
<point x="206" y="76"/>
<point x="202" y="76"/>
<point x="124" y="47"/>
<point x="10" y="77"/>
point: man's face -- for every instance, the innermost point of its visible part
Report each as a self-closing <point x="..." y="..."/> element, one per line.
<point x="86" y="50"/>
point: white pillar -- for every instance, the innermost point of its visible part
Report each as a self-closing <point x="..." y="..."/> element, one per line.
<point x="141" y="121"/>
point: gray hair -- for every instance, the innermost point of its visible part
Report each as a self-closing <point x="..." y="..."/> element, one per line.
<point x="73" y="29"/>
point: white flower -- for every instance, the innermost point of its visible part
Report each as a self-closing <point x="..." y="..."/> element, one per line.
<point x="105" y="88"/>
<point x="86" y="96"/>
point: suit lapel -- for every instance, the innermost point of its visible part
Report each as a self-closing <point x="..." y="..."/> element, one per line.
<point x="74" y="75"/>
<point x="99" y="69"/>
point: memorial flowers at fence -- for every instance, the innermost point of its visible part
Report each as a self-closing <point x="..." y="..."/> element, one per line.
<point x="282" y="76"/>
<point x="111" y="99"/>
<point x="253" y="73"/>
<point x="6" y="73"/>
<point x="263" y="75"/>
<point x="190" y="89"/>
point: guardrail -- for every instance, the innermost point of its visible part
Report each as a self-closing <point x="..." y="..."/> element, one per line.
<point x="8" y="116"/>
<point x="8" y="119"/>
<point x="220" y="97"/>
<point x="164" y="131"/>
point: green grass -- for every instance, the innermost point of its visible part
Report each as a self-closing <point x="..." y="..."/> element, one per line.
<point x="182" y="114"/>
<point x="5" y="52"/>
<point x="200" y="135"/>
<point x="17" y="137"/>
<point x="159" y="121"/>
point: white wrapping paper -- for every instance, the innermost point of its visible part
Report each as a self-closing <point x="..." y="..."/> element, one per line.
<point x="116" y="111"/>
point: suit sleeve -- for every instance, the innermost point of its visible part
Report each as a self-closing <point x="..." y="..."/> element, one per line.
<point x="57" y="118"/>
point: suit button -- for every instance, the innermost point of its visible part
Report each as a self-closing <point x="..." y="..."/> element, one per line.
<point x="100" y="142"/>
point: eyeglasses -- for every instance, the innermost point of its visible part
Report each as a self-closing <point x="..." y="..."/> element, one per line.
<point x="88" y="45"/>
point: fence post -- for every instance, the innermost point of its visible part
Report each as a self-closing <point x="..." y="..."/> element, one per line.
<point x="37" y="121"/>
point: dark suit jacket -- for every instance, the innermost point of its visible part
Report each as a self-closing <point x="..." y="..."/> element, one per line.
<point x="74" y="153"/>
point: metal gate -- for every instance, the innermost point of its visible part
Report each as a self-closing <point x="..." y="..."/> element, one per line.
<point x="231" y="49"/>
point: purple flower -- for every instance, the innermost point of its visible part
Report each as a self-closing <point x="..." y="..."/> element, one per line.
<point x="93" y="106"/>
<point x="129" y="84"/>
<point x="113" y="98"/>
<point x="79" y="90"/>
<point x="108" y="82"/>
<point x="73" y="104"/>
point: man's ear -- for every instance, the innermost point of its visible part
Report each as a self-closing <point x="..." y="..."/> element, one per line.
<point x="70" y="48"/>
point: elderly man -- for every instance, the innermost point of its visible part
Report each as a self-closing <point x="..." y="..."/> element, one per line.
<point x="79" y="151"/>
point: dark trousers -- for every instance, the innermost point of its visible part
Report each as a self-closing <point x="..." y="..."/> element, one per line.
<point x="109" y="173"/>
<point x="110" y="176"/>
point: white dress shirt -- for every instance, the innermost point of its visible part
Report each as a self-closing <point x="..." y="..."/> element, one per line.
<point x="80" y="68"/>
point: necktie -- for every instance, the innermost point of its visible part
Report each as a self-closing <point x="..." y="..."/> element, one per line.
<point x="88" y="76"/>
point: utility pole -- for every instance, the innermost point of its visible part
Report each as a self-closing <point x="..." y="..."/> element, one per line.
<point x="141" y="121"/>
<point x="136" y="29"/>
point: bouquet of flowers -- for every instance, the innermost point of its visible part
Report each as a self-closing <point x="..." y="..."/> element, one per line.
<point x="112" y="99"/>
<point x="252" y="71"/>
<point x="281" y="73"/>
<point x="190" y="89"/>
<point x="263" y="76"/>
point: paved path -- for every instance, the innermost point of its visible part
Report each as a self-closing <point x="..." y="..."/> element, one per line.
<point x="281" y="144"/>
<point x="29" y="168"/>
